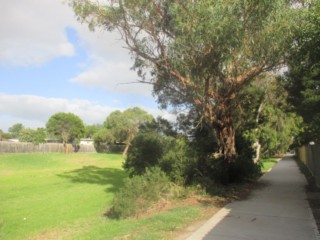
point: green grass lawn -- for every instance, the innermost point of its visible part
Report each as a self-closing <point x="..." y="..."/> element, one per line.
<point x="268" y="163"/>
<point x="65" y="196"/>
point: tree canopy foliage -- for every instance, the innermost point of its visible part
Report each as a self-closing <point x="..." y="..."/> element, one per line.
<point x="302" y="79"/>
<point x="122" y="127"/>
<point x="33" y="136"/>
<point x="65" y="126"/>
<point x="200" y="53"/>
<point x="15" y="129"/>
<point x="265" y="116"/>
<point x="90" y="130"/>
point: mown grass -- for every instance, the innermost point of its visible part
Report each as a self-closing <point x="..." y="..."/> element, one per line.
<point x="268" y="163"/>
<point x="65" y="196"/>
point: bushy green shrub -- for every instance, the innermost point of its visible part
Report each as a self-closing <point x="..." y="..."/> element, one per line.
<point x="139" y="193"/>
<point x="172" y="155"/>
<point x="242" y="168"/>
<point x="177" y="160"/>
<point x="191" y="162"/>
<point x="145" y="151"/>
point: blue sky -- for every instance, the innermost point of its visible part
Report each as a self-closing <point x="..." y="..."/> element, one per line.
<point x="51" y="63"/>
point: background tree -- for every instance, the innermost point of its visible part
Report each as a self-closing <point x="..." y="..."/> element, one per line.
<point x="103" y="139"/>
<point x="265" y="116"/>
<point x="1" y="135"/>
<point x="125" y="125"/>
<point x="34" y="136"/>
<point x="302" y="79"/>
<point x="159" y="125"/>
<point x="15" y="129"/>
<point x="277" y="130"/>
<point x="91" y="130"/>
<point x="65" y="126"/>
<point x="200" y="53"/>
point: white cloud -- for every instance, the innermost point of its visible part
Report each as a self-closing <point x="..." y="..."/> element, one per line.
<point x="34" y="111"/>
<point x="113" y="76"/>
<point x="110" y="63"/>
<point x="33" y="32"/>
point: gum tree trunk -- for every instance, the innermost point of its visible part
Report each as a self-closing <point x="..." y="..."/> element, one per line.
<point x="225" y="132"/>
<point x="227" y="142"/>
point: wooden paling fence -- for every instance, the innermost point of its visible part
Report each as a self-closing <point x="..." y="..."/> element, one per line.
<point x="19" y="147"/>
<point x="310" y="156"/>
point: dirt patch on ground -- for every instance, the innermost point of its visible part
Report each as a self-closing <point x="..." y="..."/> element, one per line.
<point x="7" y="172"/>
<point x="57" y="234"/>
<point x="60" y="233"/>
<point x="52" y="235"/>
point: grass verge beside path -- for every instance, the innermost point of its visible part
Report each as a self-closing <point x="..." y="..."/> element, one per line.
<point x="65" y="196"/>
<point x="268" y="164"/>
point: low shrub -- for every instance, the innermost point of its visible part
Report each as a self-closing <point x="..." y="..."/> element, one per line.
<point x="139" y="193"/>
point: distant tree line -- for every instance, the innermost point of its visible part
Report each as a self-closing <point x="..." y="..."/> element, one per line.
<point x="119" y="129"/>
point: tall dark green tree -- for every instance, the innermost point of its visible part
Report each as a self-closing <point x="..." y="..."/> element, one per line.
<point x="265" y="116"/>
<point x="303" y="77"/>
<point x="200" y="53"/>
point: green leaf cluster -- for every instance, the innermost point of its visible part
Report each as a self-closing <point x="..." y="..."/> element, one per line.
<point x="302" y="79"/>
<point x="121" y="127"/>
<point x="34" y="136"/>
<point x="65" y="126"/>
<point x="15" y="129"/>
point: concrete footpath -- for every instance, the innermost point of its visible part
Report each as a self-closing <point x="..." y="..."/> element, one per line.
<point x="279" y="210"/>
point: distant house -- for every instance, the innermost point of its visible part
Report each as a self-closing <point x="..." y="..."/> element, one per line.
<point x="86" y="141"/>
<point x="13" y="140"/>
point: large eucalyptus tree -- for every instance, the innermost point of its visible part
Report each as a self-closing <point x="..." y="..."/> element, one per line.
<point x="199" y="52"/>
